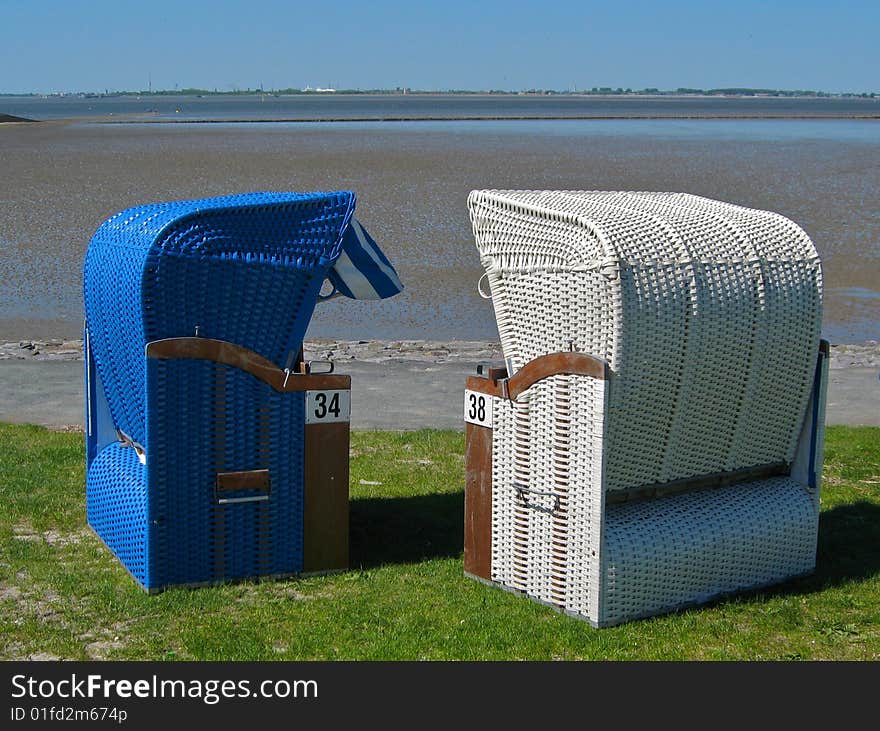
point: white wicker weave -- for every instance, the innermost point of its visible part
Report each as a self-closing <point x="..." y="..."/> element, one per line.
<point x="709" y="316"/>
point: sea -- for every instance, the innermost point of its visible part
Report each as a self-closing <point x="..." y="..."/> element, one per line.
<point x="412" y="159"/>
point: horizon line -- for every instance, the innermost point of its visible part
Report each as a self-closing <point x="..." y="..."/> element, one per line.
<point x="405" y="90"/>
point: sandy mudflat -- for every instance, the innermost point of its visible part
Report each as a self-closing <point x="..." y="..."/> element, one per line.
<point x="61" y="180"/>
<point x="402" y="384"/>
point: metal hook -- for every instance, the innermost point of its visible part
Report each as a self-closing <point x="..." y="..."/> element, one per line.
<point x="480" y="287"/>
<point x="333" y="294"/>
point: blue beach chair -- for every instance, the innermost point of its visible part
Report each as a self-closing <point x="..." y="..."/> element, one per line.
<point x="203" y="462"/>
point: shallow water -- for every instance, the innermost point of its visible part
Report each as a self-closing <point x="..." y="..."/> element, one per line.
<point x="342" y="106"/>
<point x="60" y="180"/>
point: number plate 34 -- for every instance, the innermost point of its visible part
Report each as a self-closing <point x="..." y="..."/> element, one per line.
<point x="323" y="407"/>
<point x="477" y="408"/>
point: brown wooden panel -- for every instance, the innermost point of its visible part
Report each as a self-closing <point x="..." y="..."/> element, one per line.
<point x="231" y="354"/>
<point x="483" y="385"/>
<point x="313" y="382"/>
<point x="478" y="501"/>
<point x="244" y="480"/>
<point x="496" y="373"/>
<point x="325" y="508"/>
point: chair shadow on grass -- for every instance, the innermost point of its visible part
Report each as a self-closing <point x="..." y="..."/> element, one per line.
<point x="849" y="544"/>
<point x="406" y="529"/>
<point x="848" y="550"/>
<point x="411" y="529"/>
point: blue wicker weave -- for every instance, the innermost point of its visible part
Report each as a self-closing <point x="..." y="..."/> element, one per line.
<point x="243" y="269"/>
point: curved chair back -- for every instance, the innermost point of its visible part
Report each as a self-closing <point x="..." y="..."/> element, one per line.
<point x="245" y="269"/>
<point x="708" y="314"/>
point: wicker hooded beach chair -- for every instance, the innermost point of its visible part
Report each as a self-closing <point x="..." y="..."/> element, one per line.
<point x="655" y="439"/>
<point x="213" y="452"/>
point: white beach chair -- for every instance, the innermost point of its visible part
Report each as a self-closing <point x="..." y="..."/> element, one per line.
<point x="656" y="438"/>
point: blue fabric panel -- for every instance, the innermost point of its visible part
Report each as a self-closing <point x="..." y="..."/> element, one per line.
<point x="362" y="271"/>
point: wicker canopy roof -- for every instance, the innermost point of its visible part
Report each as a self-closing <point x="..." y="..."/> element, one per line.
<point x="708" y="313"/>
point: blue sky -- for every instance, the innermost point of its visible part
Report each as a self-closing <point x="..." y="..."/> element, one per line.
<point x="49" y="46"/>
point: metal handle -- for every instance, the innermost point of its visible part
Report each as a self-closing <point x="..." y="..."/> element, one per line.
<point x="250" y="499"/>
<point x="522" y="490"/>
<point x="332" y="294"/>
<point x="310" y="367"/>
<point x="256" y="482"/>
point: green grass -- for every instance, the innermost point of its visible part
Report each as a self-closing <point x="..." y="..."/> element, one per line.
<point x="62" y="594"/>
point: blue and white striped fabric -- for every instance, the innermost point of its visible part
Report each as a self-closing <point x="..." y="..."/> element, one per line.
<point x="362" y="271"/>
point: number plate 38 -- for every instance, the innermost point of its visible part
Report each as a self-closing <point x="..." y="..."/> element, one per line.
<point x="323" y="407"/>
<point x="477" y="408"/>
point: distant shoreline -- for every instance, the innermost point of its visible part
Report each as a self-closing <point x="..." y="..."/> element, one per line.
<point x="389" y="107"/>
<point x="500" y="118"/>
<point x="133" y="119"/>
<point x="12" y="119"/>
<point x="604" y="93"/>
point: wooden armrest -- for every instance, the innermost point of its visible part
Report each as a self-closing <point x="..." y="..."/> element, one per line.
<point x="221" y="351"/>
<point x="554" y="364"/>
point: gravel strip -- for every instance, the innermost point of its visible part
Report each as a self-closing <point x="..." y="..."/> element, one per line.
<point x="861" y="355"/>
